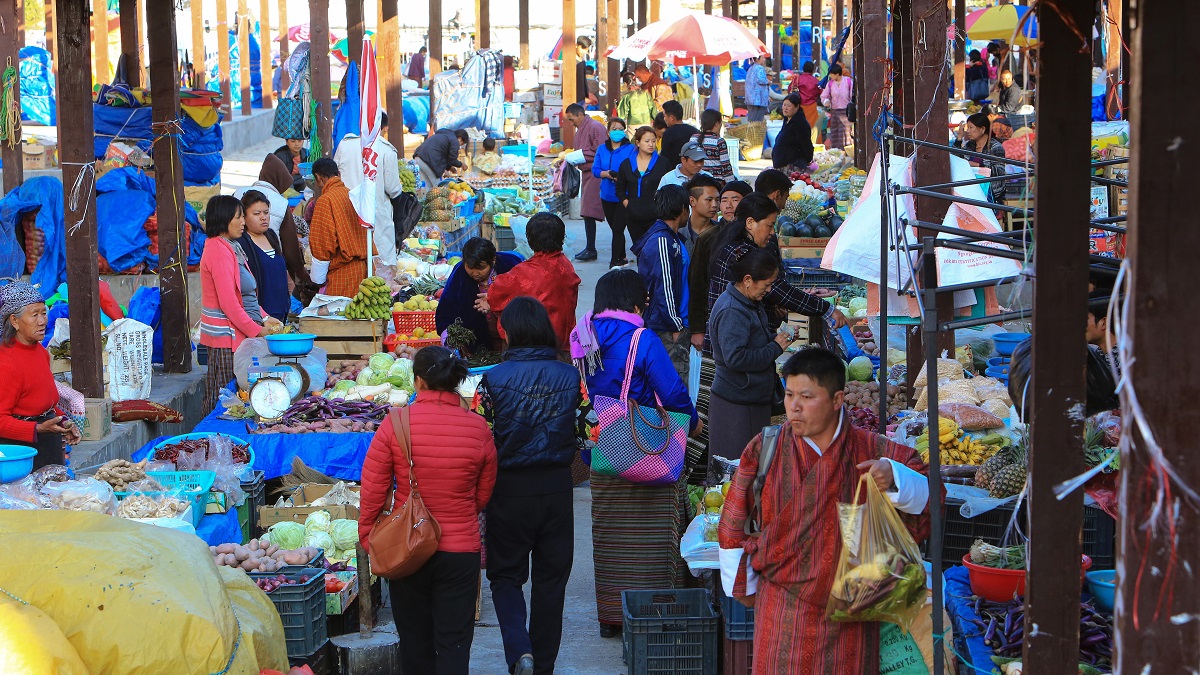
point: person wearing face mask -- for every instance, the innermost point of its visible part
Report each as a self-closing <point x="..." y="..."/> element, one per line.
<point x="264" y="258"/>
<point x="224" y="322"/>
<point x="754" y="228"/>
<point x="609" y="157"/>
<point x="474" y="275"/>
<point x="637" y="180"/>
<point x="745" y="348"/>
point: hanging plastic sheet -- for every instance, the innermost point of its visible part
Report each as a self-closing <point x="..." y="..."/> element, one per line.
<point x="37" y="87"/>
<point x="44" y="194"/>
<point x="235" y="72"/>
<point x="471" y="97"/>
<point x="110" y="122"/>
<point x="146" y="306"/>
<point x="416" y="113"/>
<point x="12" y="256"/>
<point x="346" y="120"/>
<point x="200" y="152"/>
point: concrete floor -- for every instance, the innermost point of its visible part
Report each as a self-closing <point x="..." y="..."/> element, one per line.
<point x="583" y="651"/>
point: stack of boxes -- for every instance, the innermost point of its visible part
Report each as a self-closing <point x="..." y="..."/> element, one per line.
<point x="550" y="77"/>
<point x="527" y="94"/>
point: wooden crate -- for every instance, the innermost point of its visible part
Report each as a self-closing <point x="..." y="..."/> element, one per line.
<point x="344" y="339"/>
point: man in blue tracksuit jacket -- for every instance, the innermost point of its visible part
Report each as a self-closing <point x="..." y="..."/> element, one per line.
<point x="663" y="263"/>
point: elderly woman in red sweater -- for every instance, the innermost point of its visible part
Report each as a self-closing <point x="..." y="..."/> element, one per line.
<point x="30" y="394"/>
<point x="224" y="322"/>
<point x="454" y="462"/>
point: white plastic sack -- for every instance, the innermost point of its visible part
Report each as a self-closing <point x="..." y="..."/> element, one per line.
<point x="62" y="332"/>
<point x="130" y="346"/>
<point x="693" y="374"/>
<point x="332" y="303"/>
<point x="697" y="553"/>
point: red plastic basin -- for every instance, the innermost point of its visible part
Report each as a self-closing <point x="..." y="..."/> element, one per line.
<point x="999" y="585"/>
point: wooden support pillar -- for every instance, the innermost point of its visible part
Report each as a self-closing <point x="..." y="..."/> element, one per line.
<point x="654" y="9"/>
<point x="243" y="38"/>
<point x="222" y="31"/>
<point x="815" y="11"/>
<point x="355" y="29"/>
<point x="708" y="7"/>
<point x="1127" y="73"/>
<point x="1113" y="56"/>
<point x="762" y="23"/>
<point x="735" y="10"/>
<point x="903" y="88"/>
<point x="390" y="77"/>
<point x="568" y="68"/>
<point x="839" y="18"/>
<point x="642" y="12"/>
<point x="168" y="175"/>
<point x="75" y="151"/>
<point x="631" y="7"/>
<point x="776" y="45"/>
<point x="613" y="15"/>
<point x="601" y="61"/>
<point x="960" y="49"/>
<point x="100" y="41"/>
<point x="10" y="46"/>
<point x="131" y="47"/>
<point x="1060" y="310"/>
<point x="318" y="17"/>
<point x="483" y="24"/>
<point x="199" y="60"/>
<point x="52" y="38"/>
<point x="285" y="78"/>
<point x="1156" y="603"/>
<point x="869" y="59"/>
<point x="523" y="32"/>
<point x="265" y="67"/>
<point x="795" y="34"/>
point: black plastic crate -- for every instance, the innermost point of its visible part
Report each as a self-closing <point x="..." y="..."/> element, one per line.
<point x="256" y="492"/>
<point x="738" y="618"/>
<point x="302" y="609"/>
<point x="505" y="239"/>
<point x="1099" y="538"/>
<point x="670" y="631"/>
<point x="960" y="533"/>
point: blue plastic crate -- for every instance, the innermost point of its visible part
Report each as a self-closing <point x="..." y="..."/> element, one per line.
<point x="193" y="486"/>
<point x="738" y="618"/>
<point x="512" y="111"/>
<point x="455" y="240"/>
<point x="465" y="208"/>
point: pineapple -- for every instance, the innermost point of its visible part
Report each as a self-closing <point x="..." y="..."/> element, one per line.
<point x="987" y="472"/>
<point x="1008" y="482"/>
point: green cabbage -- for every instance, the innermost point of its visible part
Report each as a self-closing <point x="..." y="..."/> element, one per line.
<point x="344" y="385"/>
<point x="400" y="375"/>
<point x="365" y="376"/>
<point x="381" y="362"/>
<point x="344" y="533"/>
<point x="860" y="368"/>
<point x="287" y="534"/>
<point x="321" y="540"/>
<point x="856" y="305"/>
<point x="317" y="521"/>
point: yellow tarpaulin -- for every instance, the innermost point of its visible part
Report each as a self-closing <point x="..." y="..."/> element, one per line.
<point x="86" y="593"/>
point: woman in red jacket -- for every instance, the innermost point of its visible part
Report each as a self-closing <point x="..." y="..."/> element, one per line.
<point x="455" y="461"/>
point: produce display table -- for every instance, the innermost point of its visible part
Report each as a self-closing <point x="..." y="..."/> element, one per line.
<point x="220" y="528"/>
<point x="968" y="638"/>
<point x="337" y="455"/>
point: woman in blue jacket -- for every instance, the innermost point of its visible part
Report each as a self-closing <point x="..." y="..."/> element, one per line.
<point x="609" y="157"/>
<point x="535" y="406"/>
<point x="635" y="528"/>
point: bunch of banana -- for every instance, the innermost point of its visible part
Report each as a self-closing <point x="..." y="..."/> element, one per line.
<point x="956" y="447"/>
<point x="373" y="301"/>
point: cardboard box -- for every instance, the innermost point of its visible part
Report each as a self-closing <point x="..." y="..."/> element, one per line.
<point x="526" y="79"/>
<point x="550" y="72"/>
<point x="97" y="419"/>
<point x="553" y="115"/>
<point x="552" y="94"/>
<point x="34" y="157"/>
<point x="305" y="494"/>
<point x="1118" y="200"/>
<point x="336" y="603"/>
<point x="796" y="252"/>
<point x="526" y="96"/>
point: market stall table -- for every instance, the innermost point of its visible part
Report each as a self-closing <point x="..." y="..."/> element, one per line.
<point x="336" y="455"/>
<point x="968" y="639"/>
<point x="220" y="528"/>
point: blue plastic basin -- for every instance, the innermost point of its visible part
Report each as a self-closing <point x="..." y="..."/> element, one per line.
<point x="291" y="344"/>
<point x="16" y="463"/>
<point x="1102" y="584"/>
<point x="1000" y="373"/>
<point x="1007" y="342"/>
<point x="997" y="362"/>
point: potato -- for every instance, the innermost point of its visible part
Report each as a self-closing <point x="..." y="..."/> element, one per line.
<point x="249" y="565"/>
<point x="231" y="560"/>
<point x="272" y="549"/>
<point x="226" y="548"/>
<point x="253" y="544"/>
<point x="242" y="553"/>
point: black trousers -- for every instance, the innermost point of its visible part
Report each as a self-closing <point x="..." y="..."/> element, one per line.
<point x="435" y="614"/>
<point x="589" y="231"/>
<point x="543" y="527"/>
<point x="614" y="213"/>
<point x="637" y="228"/>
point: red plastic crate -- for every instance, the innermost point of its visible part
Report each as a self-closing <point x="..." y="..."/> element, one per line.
<point x="390" y="342"/>
<point x="406" y="321"/>
<point x="737" y="657"/>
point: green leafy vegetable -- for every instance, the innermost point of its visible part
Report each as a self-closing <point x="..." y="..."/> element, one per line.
<point x="287" y="534"/>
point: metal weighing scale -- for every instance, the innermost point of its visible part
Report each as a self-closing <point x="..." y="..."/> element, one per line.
<point x="275" y="388"/>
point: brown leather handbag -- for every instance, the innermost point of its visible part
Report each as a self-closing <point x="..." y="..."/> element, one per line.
<point x="404" y="538"/>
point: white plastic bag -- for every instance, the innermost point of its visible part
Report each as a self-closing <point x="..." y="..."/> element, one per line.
<point x="693" y="374"/>
<point x="695" y="551"/>
<point x="130" y="346"/>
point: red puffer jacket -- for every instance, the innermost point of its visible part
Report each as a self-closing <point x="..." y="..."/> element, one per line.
<point x="455" y="460"/>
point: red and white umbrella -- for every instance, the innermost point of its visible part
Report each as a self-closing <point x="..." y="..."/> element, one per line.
<point x="369" y="119"/>
<point x="301" y="33"/>
<point x="694" y="39"/>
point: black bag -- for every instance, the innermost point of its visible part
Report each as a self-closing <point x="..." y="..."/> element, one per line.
<point x="977" y="90"/>
<point x="852" y="110"/>
<point x="406" y="211"/>
<point x="571" y="180"/>
<point x="289" y="119"/>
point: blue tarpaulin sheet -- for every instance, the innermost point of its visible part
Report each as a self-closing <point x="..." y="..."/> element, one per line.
<point x="12" y="256"/>
<point x="347" y="121"/>
<point x="220" y="528"/>
<point x="44" y="193"/>
<point x="124" y="200"/>
<point x="416" y="113"/>
<point x="968" y="641"/>
<point x="111" y="122"/>
<point x="146" y="306"/>
<point x="200" y="152"/>
<point x="37" y="87"/>
<point x="337" y="455"/>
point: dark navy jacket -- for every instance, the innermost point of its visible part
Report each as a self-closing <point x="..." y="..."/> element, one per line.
<point x="663" y="263"/>
<point x="532" y="400"/>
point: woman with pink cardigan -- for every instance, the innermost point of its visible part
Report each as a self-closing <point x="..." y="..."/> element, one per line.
<point x="224" y="322"/>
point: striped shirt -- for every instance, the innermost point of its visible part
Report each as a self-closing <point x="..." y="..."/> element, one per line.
<point x="717" y="163"/>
